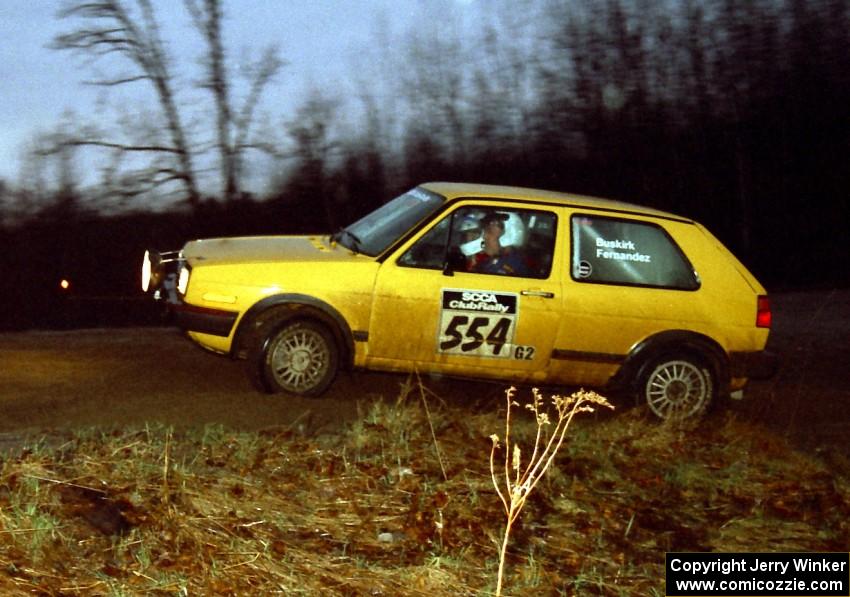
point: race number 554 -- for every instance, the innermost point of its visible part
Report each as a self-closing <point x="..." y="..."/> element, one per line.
<point x="479" y="334"/>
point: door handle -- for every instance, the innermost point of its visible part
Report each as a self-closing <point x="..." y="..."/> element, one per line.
<point x="540" y="293"/>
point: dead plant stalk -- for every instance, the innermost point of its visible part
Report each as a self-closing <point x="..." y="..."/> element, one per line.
<point x="431" y="426"/>
<point x="518" y="481"/>
<point x="165" y="466"/>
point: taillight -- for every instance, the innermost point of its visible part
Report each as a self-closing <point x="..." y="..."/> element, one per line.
<point x="763" y="316"/>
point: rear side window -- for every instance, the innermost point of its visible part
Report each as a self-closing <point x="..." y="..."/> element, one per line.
<point x="628" y="252"/>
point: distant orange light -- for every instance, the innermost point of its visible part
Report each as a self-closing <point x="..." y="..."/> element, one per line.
<point x="64" y="284"/>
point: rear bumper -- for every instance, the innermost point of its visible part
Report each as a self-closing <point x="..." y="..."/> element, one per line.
<point x="753" y="365"/>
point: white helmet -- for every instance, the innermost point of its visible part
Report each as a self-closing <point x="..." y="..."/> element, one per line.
<point x="514" y="235"/>
<point x="469" y="232"/>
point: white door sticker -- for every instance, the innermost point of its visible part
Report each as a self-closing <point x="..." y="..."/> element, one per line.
<point x="478" y="323"/>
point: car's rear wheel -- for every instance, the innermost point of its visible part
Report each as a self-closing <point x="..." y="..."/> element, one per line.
<point x="677" y="387"/>
<point x="299" y="357"/>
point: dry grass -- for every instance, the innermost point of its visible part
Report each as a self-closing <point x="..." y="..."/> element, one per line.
<point x="400" y="503"/>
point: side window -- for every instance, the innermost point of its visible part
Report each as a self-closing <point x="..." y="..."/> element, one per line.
<point x="615" y="251"/>
<point x="488" y="240"/>
<point x="429" y="252"/>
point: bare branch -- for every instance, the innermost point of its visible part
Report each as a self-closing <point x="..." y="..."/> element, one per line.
<point x="115" y="82"/>
<point x="123" y="147"/>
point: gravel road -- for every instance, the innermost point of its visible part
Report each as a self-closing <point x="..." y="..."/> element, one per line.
<point x="129" y="376"/>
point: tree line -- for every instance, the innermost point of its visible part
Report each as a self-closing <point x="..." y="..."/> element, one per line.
<point x="736" y="113"/>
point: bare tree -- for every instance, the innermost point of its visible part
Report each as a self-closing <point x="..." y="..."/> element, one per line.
<point x="109" y="27"/>
<point x="232" y="128"/>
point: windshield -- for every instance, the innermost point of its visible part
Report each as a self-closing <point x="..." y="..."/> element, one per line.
<point x="372" y="234"/>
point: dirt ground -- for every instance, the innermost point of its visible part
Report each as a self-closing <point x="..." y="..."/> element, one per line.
<point x="129" y="376"/>
<point x="808" y="401"/>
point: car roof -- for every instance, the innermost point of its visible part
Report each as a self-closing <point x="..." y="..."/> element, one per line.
<point x="458" y="190"/>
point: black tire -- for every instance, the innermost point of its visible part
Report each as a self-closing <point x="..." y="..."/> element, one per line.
<point x="297" y="356"/>
<point x="676" y="386"/>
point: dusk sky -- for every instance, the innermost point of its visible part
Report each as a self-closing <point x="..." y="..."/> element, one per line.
<point x="319" y="39"/>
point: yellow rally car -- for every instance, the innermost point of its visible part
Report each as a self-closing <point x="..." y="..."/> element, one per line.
<point x="482" y="281"/>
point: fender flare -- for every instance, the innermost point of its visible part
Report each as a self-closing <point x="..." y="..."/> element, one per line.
<point x="683" y="341"/>
<point x="302" y="306"/>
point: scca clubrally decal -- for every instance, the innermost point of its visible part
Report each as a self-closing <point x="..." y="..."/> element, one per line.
<point x="477" y="323"/>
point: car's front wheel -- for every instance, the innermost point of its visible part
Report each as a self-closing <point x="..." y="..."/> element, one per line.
<point x="676" y="387"/>
<point x="299" y="357"/>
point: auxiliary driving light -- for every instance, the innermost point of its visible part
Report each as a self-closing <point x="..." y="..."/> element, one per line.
<point x="183" y="280"/>
<point x="146" y="271"/>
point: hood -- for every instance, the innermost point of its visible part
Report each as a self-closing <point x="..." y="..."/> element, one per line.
<point x="258" y="249"/>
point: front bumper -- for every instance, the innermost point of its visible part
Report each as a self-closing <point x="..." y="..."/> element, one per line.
<point x="160" y="273"/>
<point x="203" y="320"/>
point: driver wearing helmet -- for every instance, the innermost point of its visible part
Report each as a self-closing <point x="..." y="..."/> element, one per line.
<point x="492" y="249"/>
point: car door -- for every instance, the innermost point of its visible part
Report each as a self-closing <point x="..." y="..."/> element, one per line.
<point x="441" y="305"/>
<point x="627" y="279"/>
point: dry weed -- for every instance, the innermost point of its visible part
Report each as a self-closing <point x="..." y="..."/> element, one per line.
<point x="519" y="481"/>
<point x="401" y="503"/>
